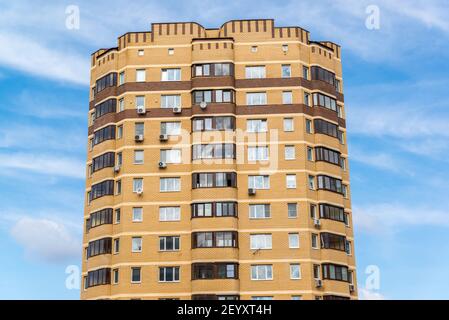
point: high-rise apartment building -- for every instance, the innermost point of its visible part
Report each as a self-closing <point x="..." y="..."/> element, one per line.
<point x="217" y="166"/>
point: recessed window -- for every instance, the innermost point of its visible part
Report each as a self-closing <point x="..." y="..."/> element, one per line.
<point x="286" y="71"/>
<point x="295" y="271"/>
<point x="118" y="187"/>
<point x="305" y="72"/>
<point x="258" y="125"/>
<point x="120" y="132"/>
<point x="287" y="97"/>
<point x="169" y="213"/>
<point x="296" y="297"/>
<point x="255" y="72"/>
<point x="170" y="184"/>
<point x="171" y="74"/>
<point x="259" y="182"/>
<point x="169" y="243"/>
<point x="137" y="185"/>
<point x="170" y="156"/>
<point x="259" y="211"/>
<point x="293" y="240"/>
<point x="314" y="241"/>
<point x="256" y="98"/>
<point x="171" y="101"/>
<point x="139" y="128"/>
<point x="260" y="241"/>
<point x="308" y="126"/>
<point x="292" y="209"/>
<point x="115" y="276"/>
<point x="138" y="214"/>
<point x="289" y="153"/>
<point x="171" y="128"/>
<point x="140" y="52"/>
<point x="288" y="124"/>
<point x="121" y="78"/>
<point x="309" y="153"/>
<point x="171" y="51"/>
<point x="138" y="156"/>
<point x="116" y="245"/>
<point x="140" y="75"/>
<point x="311" y="182"/>
<point x="258" y="153"/>
<point x="313" y="212"/>
<point x="140" y="101"/>
<point x="168" y="274"/>
<point x="307" y="99"/>
<point x="285" y="48"/>
<point x="291" y="181"/>
<point x="135" y="275"/>
<point x="262" y="272"/>
<point x="253" y="48"/>
<point x="121" y="105"/>
<point x="117" y="216"/>
<point x="136" y="244"/>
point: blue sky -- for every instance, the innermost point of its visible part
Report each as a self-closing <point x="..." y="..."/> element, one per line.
<point x="396" y="96"/>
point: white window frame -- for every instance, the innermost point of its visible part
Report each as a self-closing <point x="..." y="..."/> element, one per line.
<point x="136" y="184"/>
<point x="175" y="181"/>
<point x="255" y="72"/>
<point x="171" y="74"/>
<point x="138" y="160"/>
<point x="289" y="152"/>
<point x="287" y="97"/>
<point x="140" y="75"/>
<point x="285" y="126"/>
<point x="293" y="244"/>
<point x="266" y="270"/>
<point x="259" y="182"/>
<point x="261" y="241"/>
<point x="170" y="101"/>
<point x="293" y="266"/>
<point x="167" y="214"/>
<point x="256" y="98"/>
<point x="289" y="179"/>
<point x="258" y="153"/>
<point x="136" y="244"/>
<point x="259" y="211"/>
<point x="256" y="125"/>
<point x="136" y="210"/>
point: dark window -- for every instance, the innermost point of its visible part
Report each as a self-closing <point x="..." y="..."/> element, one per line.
<point x="335" y="272"/>
<point x="328" y="155"/>
<point x="218" y="239"/>
<point x="109" y="80"/>
<point x="99" y="277"/>
<point x="331" y="212"/>
<point x="101" y="189"/>
<point x="108" y="106"/>
<point x="214" y="180"/>
<point x="103" y="161"/>
<point x="328" y="128"/>
<point x="214" y="297"/>
<point x="333" y="241"/>
<point x="319" y="73"/>
<point x="214" y="209"/>
<point x="330" y="184"/>
<point x="169" y="243"/>
<point x="213" y="123"/>
<point x="212" y="69"/>
<point x="334" y="297"/>
<point x="106" y="133"/>
<point x="100" y="217"/>
<point x="213" y="96"/>
<point x="100" y="246"/>
<point x="214" y="271"/>
<point x="168" y="274"/>
<point x="213" y="151"/>
<point x="322" y="100"/>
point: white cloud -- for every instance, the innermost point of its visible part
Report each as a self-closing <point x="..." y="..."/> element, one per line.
<point x="386" y="218"/>
<point x="379" y="160"/>
<point x="55" y="165"/>
<point x="365" y="294"/>
<point x="46" y="240"/>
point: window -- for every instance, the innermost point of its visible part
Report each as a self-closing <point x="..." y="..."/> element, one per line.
<point x="108" y="106"/>
<point x="292" y="210"/>
<point x="214" y="271"/>
<point x="121" y="78"/>
<point x="171" y="74"/>
<point x="171" y="51"/>
<point x="104" y="188"/>
<point x="140" y="52"/>
<point x="213" y="151"/>
<point x="138" y="156"/>
<point x="136" y="244"/>
<point x="109" y="80"/>
<point x="289" y="153"/>
<point x="330" y="184"/>
<point x="256" y="98"/>
<point x="335" y="272"/>
<point x="348" y="247"/>
<point x="119" y="131"/>
<point x="324" y="101"/>
<point x="213" y="123"/>
<point x="314" y="241"/>
<point x="121" y="105"/>
<point x="116" y="246"/>
<point x="253" y="49"/>
<point x="255" y="72"/>
<point x="98" y="277"/>
<point x="305" y="72"/>
<point x="103" y="161"/>
<point x="258" y="125"/>
<point x="137" y="184"/>
<point x="288" y="124"/>
<point x="309" y="153"/>
<point x="319" y="73"/>
<point x="170" y="184"/>
<point x="345" y="191"/>
<point x="106" y="133"/>
<point x="311" y="182"/>
<point x="140" y="75"/>
<point x="257" y="153"/>
<point x="223" y="96"/>
<point x="115" y="276"/>
<point x="171" y="128"/>
<point x="259" y="182"/>
<point x="340" y="111"/>
<point x="170" y="156"/>
<point x="217" y="239"/>
<point x="343" y="163"/>
<point x="117" y="216"/>
<point x="168" y="274"/>
<point x="316" y="272"/>
<point x="214" y="180"/>
<point x="169" y="243"/>
<point x="327" y="128"/>
<point x="169" y="213"/>
<point x="222" y="69"/>
<point x="135" y="275"/>
<point x="137" y="214"/>
<point x="119" y="159"/>
<point x="260" y="241"/>
<point x="139" y="128"/>
<point x="118" y="187"/>
<point x="308" y="126"/>
<point x="313" y="214"/>
<point x="99" y="218"/>
<point x="259" y="211"/>
<point x="333" y="241"/>
<point x="293" y="240"/>
<point x="291" y="181"/>
<point x="202" y="70"/>
<point x="332" y="212"/>
<point x="99" y="247"/>
<point x="216" y="209"/>
<point x="338" y="85"/>
<point x="296" y="297"/>
<point x="171" y="101"/>
<point x="140" y="101"/>
<point x="286" y="70"/>
<point x="287" y="97"/>
<point x="261" y="272"/>
<point x="341" y="137"/>
<point x="307" y="99"/>
<point x="295" y="271"/>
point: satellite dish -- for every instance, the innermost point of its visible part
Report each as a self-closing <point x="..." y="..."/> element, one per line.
<point x="203" y="104"/>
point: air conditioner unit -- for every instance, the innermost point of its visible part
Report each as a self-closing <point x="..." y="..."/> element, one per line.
<point x="162" y="165"/>
<point x="351" y="288"/>
<point x="163" y="137"/>
<point x="203" y="105"/>
<point x="141" y="110"/>
<point x="251" y="191"/>
<point x="138" y="137"/>
<point x="139" y="191"/>
<point x="318" y="283"/>
<point x="317" y="223"/>
<point x="117" y="168"/>
<point x="176" y="109"/>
